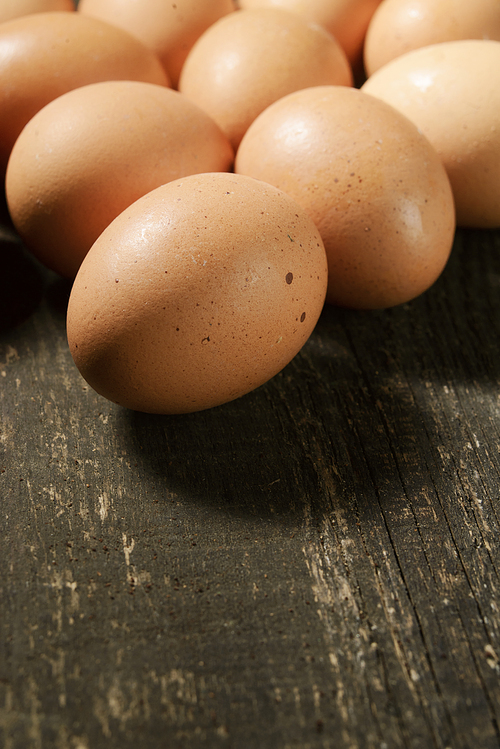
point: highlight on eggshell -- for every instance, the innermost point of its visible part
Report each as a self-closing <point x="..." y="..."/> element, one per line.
<point x="90" y="153"/>
<point x="372" y="183"/>
<point x="44" y="55"/>
<point x="451" y="91"/>
<point x="169" y="29"/>
<point x="399" y="26"/>
<point x="251" y="58"/>
<point x="194" y="284"/>
<point x="199" y="292"/>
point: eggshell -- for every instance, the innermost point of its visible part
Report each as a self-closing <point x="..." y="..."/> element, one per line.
<point x="201" y="291"/>
<point x="399" y="26"/>
<point x="44" y="55"/>
<point x="90" y="153"/>
<point x="10" y="9"/>
<point x="251" y="58"/>
<point x="347" y="20"/>
<point x="169" y="29"/>
<point x="371" y="182"/>
<point x="451" y="91"/>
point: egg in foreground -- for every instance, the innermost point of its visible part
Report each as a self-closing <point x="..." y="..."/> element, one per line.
<point x="198" y="293"/>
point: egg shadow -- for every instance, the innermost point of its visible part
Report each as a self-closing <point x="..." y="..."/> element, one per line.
<point x="21" y="282"/>
<point x="243" y="458"/>
<point x="57" y="293"/>
<point x="337" y="423"/>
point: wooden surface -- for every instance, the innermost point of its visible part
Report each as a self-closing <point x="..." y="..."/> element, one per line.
<point x="313" y="565"/>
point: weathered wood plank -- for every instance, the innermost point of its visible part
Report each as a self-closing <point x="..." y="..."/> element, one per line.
<point x="313" y="565"/>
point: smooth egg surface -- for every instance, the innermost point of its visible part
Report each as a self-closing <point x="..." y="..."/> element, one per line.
<point x="199" y="292"/>
<point x="451" y="91"/>
<point x="251" y="58"/>
<point x="10" y="9"/>
<point x="169" y="29"/>
<point x="44" y="55"/>
<point x="399" y="26"/>
<point x="92" y="152"/>
<point x="347" y="20"/>
<point x="372" y="183"/>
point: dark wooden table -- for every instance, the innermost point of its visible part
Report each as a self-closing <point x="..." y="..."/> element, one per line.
<point x="313" y="565"/>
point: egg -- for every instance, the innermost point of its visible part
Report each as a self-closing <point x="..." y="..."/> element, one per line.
<point x="372" y="183"/>
<point x="44" y="55"/>
<point x="198" y="293"/>
<point x="10" y="9"/>
<point x="169" y="29"/>
<point x="347" y="20"/>
<point x="399" y="26"/>
<point x="250" y="58"/>
<point x="451" y="91"/>
<point x="87" y="155"/>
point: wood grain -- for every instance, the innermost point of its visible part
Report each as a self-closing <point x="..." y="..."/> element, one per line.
<point x="313" y="565"/>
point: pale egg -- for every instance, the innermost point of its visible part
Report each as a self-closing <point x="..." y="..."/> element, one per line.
<point x="399" y="26"/>
<point x="451" y="91"/>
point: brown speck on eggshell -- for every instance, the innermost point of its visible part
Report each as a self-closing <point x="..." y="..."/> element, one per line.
<point x="403" y="193"/>
<point x="138" y="342"/>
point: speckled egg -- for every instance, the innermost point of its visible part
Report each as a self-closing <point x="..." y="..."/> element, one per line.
<point x="169" y="29"/>
<point x="90" y="153"/>
<point x="451" y="91"/>
<point x="199" y="292"/>
<point x="251" y="58"/>
<point x="44" y="55"/>
<point x="399" y="26"/>
<point x="372" y="183"/>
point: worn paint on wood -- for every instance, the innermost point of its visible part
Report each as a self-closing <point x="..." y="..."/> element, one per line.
<point x="313" y="565"/>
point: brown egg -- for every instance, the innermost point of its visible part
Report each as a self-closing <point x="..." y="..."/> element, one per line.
<point x="44" y="55"/>
<point x="251" y="58"/>
<point x="371" y="182"/>
<point x="201" y="291"/>
<point x="399" y="26"/>
<point x="169" y="29"/>
<point x="451" y="91"/>
<point x="347" y="20"/>
<point x="90" y="153"/>
<point x="10" y="9"/>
